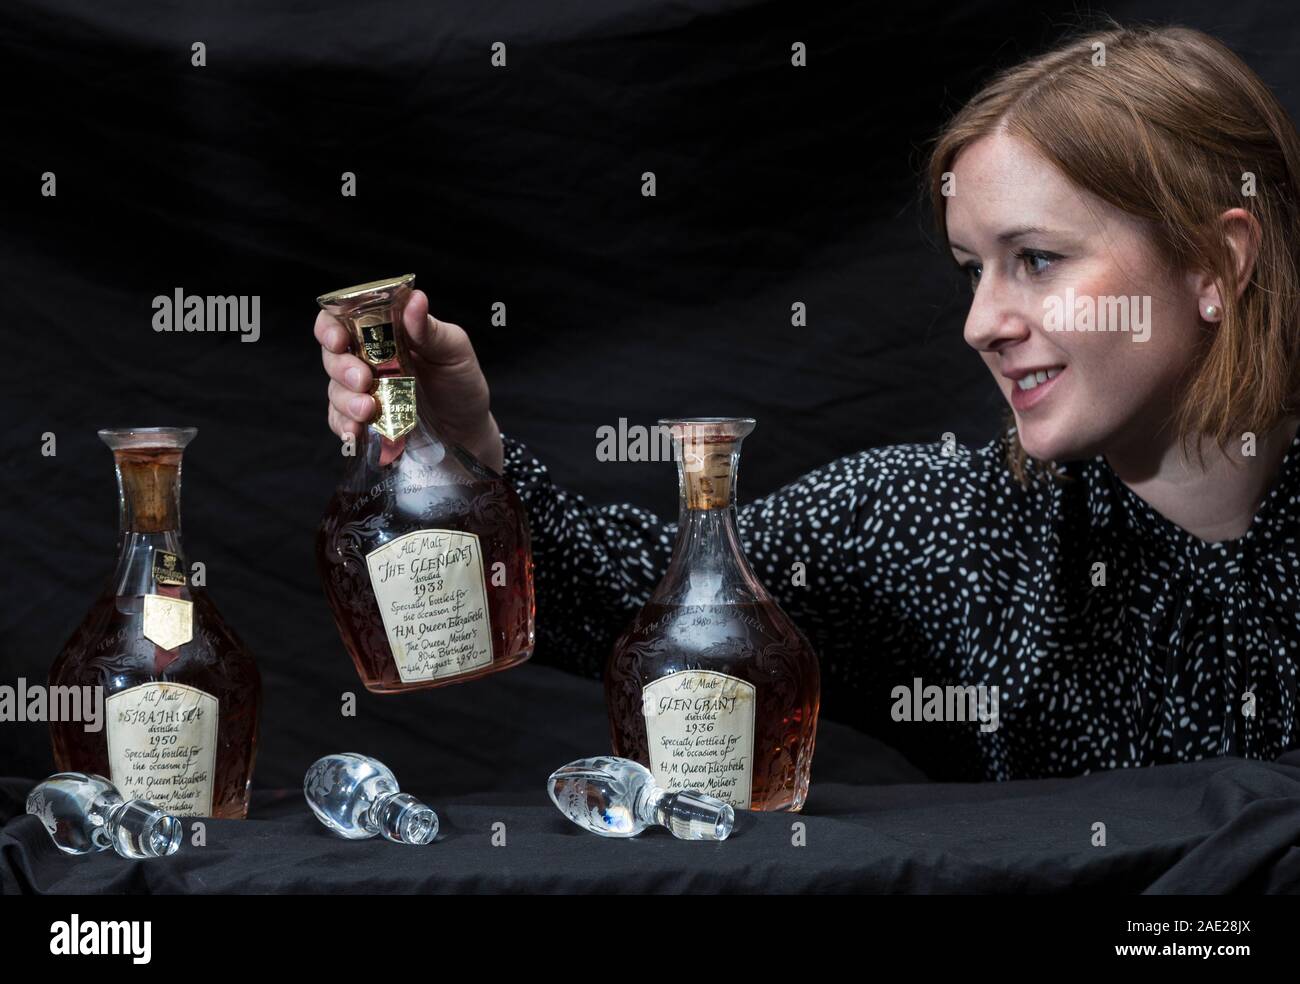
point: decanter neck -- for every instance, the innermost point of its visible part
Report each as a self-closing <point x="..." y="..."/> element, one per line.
<point x="708" y="565"/>
<point x="376" y="450"/>
<point x="150" y="551"/>
<point x="149" y="489"/>
<point x="372" y="313"/>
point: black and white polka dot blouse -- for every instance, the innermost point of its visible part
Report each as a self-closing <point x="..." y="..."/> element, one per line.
<point x="1115" y="638"/>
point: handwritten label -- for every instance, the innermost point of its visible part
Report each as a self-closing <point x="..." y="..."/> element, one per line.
<point x="162" y="746"/>
<point x="700" y="726"/>
<point x="433" y="599"/>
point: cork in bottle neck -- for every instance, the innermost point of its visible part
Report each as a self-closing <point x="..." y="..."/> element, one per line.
<point x="707" y="450"/>
<point x="148" y="462"/>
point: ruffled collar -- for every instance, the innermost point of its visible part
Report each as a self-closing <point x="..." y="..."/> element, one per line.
<point x="1245" y="587"/>
<point x="1275" y="524"/>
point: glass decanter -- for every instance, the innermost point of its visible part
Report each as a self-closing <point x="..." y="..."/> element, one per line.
<point x="181" y="693"/>
<point x="616" y="797"/>
<point x="357" y="797"/>
<point x="423" y="551"/>
<point x="712" y="686"/>
<point x="85" y="814"/>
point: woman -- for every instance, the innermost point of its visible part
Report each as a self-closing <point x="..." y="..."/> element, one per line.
<point x="1122" y="562"/>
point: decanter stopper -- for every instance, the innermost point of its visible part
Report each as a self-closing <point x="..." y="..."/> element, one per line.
<point x="85" y="813"/>
<point x="616" y="797"/>
<point x="357" y="797"/>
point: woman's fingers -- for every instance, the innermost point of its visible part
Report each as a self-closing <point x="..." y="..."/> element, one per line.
<point x="350" y="404"/>
<point x="443" y="358"/>
<point x="341" y="425"/>
<point x="436" y="342"/>
<point x="331" y="334"/>
<point x="347" y="370"/>
<point x="341" y="365"/>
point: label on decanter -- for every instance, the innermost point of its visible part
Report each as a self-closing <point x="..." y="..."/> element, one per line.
<point x="167" y="622"/>
<point x="433" y="599"/>
<point x="162" y="746"/>
<point x="700" y="726"/>
<point x="396" y="398"/>
<point x="167" y="569"/>
<point x="378" y="344"/>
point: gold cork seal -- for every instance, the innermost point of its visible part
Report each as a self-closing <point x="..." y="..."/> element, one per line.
<point x="708" y="451"/>
<point x="372" y="314"/>
<point x="395" y="396"/>
<point x="378" y="343"/>
<point x="380" y="290"/>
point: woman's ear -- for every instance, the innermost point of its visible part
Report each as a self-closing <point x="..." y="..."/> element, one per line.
<point x="1242" y="233"/>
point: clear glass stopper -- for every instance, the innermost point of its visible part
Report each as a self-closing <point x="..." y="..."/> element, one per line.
<point x="357" y="797"/>
<point x="616" y="797"/>
<point x="85" y="813"/>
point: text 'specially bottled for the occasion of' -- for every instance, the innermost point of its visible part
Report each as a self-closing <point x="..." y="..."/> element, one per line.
<point x="423" y="551"/>
<point x="712" y="686"/>
<point x="181" y="693"/>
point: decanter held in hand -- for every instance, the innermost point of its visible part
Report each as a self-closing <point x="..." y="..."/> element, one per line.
<point x="423" y="551"/>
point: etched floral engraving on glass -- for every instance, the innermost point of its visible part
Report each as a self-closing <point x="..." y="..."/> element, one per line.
<point x="712" y="685"/>
<point x="182" y="693"/>
<point x="423" y="551"/>
<point x="357" y="797"/>
<point x="616" y="797"/>
<point x="84" y="814"/>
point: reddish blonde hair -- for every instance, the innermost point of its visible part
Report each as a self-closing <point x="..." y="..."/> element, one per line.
<point x="1167" y="129"/>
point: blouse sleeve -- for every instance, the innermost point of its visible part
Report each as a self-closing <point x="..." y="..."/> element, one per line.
<point x="841" y="550"/>
<point x="594" y="566"/>
<point x="816" y="545"/>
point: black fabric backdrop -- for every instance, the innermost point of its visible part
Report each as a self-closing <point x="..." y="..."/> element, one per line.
<point x="775" y="184"/>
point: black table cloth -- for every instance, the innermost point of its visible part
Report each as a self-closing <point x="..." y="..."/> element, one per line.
<point x="871" y="824"/>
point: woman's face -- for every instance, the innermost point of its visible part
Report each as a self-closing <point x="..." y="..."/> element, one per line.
<point x="1040" y="252"/>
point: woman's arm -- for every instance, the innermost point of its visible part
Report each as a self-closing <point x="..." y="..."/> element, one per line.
<point x="816" y="544"/>
<point x="596" y="566"/>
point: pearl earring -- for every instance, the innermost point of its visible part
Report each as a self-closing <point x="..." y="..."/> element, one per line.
<point x="1211" y="311"/>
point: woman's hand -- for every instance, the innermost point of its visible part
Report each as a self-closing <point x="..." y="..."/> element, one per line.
<point x="453" y="388"/>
